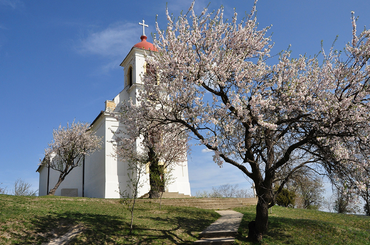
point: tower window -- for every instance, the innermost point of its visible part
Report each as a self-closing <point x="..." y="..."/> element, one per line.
<point x="130" y="78"/>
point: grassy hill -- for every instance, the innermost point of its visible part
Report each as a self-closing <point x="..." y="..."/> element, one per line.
<point x="35" y="220"/>
<point x="302" y="226"/>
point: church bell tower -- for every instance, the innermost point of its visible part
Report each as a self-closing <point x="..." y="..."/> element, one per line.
<point x="134" y="64"/>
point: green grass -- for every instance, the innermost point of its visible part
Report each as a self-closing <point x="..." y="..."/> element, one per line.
<point x="35" y="220"/>
<point x="301" y="226"/>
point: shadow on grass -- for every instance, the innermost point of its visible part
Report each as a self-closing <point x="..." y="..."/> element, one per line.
<point x="110" y="229"/>
<point x="183" y="226"/>
<point x="99" y="228"/>
<point x="180" y="225"/>
<point x="284" y="230"/>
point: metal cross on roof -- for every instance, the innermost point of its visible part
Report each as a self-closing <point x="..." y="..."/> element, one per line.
<point x="143" y="24"/>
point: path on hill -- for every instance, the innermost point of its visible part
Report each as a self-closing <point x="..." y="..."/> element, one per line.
<point x="223" y="230"/>
<point x="74" y="231"/>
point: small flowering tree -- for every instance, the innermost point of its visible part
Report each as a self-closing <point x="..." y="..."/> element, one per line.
<point x="159" y="146"/>
<point x="356" y="185"/>
<point x="345" y="201"/>
<point x="212" y="79"/>
<point x="135" y="181"/>
<point x="69" y="146"/>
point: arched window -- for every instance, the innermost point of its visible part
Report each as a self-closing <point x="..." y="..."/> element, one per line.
<point x="130" y="78"/>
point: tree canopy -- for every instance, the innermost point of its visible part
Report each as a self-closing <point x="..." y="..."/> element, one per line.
<point x="213" y="78"/>
<point x="70" y="144"/>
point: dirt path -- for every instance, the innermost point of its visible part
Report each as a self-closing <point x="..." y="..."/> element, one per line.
<point x="74" y="231"/>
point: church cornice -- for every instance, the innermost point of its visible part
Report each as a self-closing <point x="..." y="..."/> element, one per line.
<point x="102" y="114"/>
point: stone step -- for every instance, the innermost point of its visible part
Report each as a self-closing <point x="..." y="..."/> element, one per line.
<point x="205" y="203"/>
<point x="168" y="195"/>
<point x="174" y="195"/>
<point x="216" y="241"/>
<point x="217" y="234"/>
<point x="209" y="206"/>
<point x="216" y="200"/>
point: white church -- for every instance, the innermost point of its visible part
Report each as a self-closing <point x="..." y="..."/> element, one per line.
<point x="101" y="174"/>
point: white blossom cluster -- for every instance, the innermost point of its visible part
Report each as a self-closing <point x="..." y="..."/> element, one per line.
<point x="70" y="144"/>
<point x="139" y="136"/>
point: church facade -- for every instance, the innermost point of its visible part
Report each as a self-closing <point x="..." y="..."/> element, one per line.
<point x="102" y="174"/>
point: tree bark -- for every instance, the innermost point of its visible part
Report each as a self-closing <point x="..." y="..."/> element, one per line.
<point x="261" y="218"/>
<point x="155" y="176"/>
<point x="52" y="191"/>
<point x="265" y="199"/>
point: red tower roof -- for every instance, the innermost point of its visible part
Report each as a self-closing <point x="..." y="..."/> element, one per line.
<point x="145" y="45"/>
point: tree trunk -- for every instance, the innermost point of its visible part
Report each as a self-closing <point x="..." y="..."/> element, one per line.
<point x="156" y="181"/>
<point x="367" y="206"/>
<point x="261" y="218"/>
<point x="52" y="191"/>
<point x="155" y="176"/>
<point x="132" y="209"/>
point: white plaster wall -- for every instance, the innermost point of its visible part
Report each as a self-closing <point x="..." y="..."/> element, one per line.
<point x="145" y="188"/>
<point x="181" y="182"/>
<point x="95" y="165"/>
<point x="140" y="65"/>
<point x="114" y="169"/>
<point x="43" y="178"/>
<point x="73" y="180"/>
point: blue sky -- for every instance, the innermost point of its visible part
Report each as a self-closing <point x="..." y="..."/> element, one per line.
<point x="59" y="62"/>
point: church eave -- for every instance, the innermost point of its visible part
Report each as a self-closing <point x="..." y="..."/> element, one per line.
<point x="41" y="165"/>
<point x="96" y="119"/>
<point x="135" y="48"/>
<point x="101" y="114"/>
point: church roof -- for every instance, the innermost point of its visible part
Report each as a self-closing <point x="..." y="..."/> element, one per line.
<point x="145" y="45"/>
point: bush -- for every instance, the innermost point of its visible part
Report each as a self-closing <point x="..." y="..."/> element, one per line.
<point x="286" y="198"/>
<point x="226" y="191"/>
<point x="345" y="201"/>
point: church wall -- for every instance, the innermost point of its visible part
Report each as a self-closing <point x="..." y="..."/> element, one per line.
<point x="115" y="170"/>
<point x="181" y="183"/>
<point x="139" y="65"/>
<point x="72" y="184"/>
<point x="144" y="178"/>
<point x="94" y="167"/>
<point x="43" y="178"/>
<point x="72" y="181"/>
<point x="145" y="188"/>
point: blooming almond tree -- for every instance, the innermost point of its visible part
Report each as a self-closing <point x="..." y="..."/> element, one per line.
<point x="142" y="141"/>
<point x="212" y="78"/>
<point x="69" y="146"/>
